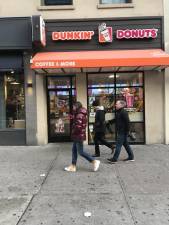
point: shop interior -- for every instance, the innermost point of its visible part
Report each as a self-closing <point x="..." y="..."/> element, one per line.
<point x="12" y="113"/>
<point x="110" y="87"/>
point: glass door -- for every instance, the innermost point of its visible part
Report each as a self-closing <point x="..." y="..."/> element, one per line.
<point x="59" y="111"/>
<point x="61" y="95"/>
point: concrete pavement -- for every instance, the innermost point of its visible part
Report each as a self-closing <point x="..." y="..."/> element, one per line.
<point x="34" y="189"/>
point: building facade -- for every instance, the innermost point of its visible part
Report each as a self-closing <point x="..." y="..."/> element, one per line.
<point x="15" y="39"/>
<point x="73" y="29"/>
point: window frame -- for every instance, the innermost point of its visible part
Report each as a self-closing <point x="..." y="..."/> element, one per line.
<point x="43" y="2"/>
<point x="128" y="4"/>
<point x="142" y="86"/>
<point x="42" y="6"/>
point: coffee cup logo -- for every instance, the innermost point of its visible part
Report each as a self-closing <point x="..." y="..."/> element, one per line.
<point x="105" y="33"/>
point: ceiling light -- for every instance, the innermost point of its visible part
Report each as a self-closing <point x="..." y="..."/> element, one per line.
<point x="14" y="82"/>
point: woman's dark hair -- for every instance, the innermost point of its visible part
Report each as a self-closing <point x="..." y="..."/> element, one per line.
<point x="96" y="102"/>
<point x="78" y="105"/>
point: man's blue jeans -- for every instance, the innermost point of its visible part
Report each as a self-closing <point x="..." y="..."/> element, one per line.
<point x="122" y="141"/>
<point x="78" y="148"/>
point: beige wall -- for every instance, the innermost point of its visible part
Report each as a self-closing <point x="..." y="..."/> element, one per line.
<point x="83" y="9"/>
<point x="166" y="78"/>
<point x="82" y="92"/>
<point x="81" y="88"/>
<point x="154" y="107"/>
<point x="154" y="91"/>
<point x="42" y="129"/>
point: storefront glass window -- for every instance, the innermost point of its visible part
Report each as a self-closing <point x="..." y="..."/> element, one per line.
<point x="58" y="2"/>
<point x="12" y="112"/>
<point x="109" y="88"/>
<point x="129" y="79"/>
<point x="114" y="1"/>
<point x="61" y="82"/>
<point x="101" y="80"/>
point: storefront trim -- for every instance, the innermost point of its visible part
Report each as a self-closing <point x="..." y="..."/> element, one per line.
<point x="153" y="58"/>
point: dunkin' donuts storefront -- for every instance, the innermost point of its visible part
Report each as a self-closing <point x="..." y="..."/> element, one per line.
<point x="101" y="59"/>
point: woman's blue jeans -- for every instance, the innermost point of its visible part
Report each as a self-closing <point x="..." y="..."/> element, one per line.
<point x="122" y="141"/>
<point x="78" y="148"/>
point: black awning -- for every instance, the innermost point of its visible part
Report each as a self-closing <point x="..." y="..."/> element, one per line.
<point x="11" y="62"/>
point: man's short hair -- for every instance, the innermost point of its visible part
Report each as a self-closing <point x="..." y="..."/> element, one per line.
<point x="96" y="102"/>
<point x="122" y="102"/>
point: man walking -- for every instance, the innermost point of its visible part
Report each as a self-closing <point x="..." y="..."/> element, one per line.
<point x="122" y="126"/>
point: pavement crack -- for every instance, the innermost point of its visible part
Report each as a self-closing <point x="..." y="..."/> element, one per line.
<point x="125" y="195"/>
<point x="48" y="171"/>
<point x="25" y="209"/>
<point x="51" y="165"/>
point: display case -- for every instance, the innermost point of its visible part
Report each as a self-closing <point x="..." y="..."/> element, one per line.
<point x="109" y="88"/>
<point x="107" y="100"/>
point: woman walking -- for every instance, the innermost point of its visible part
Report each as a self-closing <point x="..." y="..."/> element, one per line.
<point x="78" y="136"/>
<point x="99" y="129"/>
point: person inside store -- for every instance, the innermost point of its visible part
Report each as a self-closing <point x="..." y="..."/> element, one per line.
<point x="78" y="135"/>
<point x="10" y="111"/>
<point x="100" y="129"/>
<point x="122" y="127"/>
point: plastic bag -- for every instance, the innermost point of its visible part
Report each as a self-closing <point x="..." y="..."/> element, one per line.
<point x="132" y="136"/>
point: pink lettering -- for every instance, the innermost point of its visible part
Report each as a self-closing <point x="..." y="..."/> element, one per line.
<point x="119" y="34"/>
<point x="138" y="33"/>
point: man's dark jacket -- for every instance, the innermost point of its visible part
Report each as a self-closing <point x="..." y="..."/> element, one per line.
<point x="122" y="121"/>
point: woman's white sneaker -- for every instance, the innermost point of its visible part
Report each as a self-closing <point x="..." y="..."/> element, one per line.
<point x="70" y="168"/>
<point x="96" y="164"/>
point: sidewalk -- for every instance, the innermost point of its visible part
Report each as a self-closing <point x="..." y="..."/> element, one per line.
<point x="34" y="189"/>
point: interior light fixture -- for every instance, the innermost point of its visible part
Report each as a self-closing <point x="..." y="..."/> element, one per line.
<point x="14" y="82"/>
<point x="29" y="85"/>
<point x="111" y="76"/>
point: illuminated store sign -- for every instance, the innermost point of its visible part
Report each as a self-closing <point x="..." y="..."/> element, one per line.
<point x="136" y="33"/>
<point x="105" y="34"/>
<point x="72" y="35"/>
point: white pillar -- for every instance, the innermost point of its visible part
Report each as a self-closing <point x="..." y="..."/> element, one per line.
<point x="154" y="107"/>
<point x="81" y="88"/>
<point x="42" y="129"/>
<point x="166" y="76"/>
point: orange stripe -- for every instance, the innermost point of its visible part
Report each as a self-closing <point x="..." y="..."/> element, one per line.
<point x="152" y="57"/>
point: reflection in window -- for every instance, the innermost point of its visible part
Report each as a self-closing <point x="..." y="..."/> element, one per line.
<point x="114" y="1"/>
<point x="101" y="80"/>
<point x="109" y="88"/>
<point x="12" y="113"/>
<point x="58" y="2"/>
<point x="129" y="79"/>
<point x="60" y="82"/>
